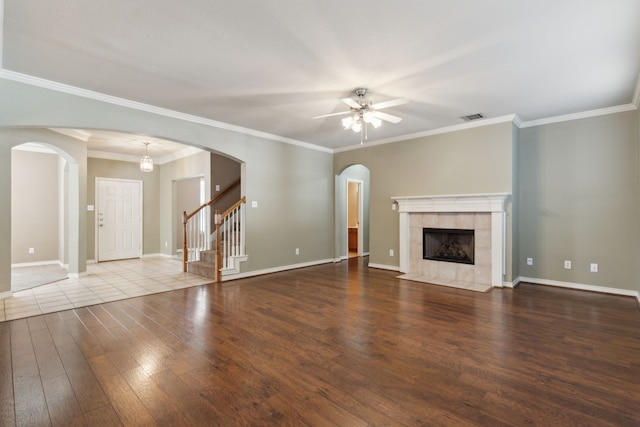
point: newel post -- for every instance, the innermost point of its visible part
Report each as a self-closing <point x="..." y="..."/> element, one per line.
<point x="218" y="221"/>
<point x="185" y="251"/>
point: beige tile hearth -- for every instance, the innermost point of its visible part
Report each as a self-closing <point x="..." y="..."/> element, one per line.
<point x="452" y="284"/>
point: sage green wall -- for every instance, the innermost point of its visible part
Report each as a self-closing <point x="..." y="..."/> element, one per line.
<point x="514" y="246"/>
<point x="34" y="207"/>
<point x="293" y="184"/>
<point x="5" y="215"/>
<point x="116" y="169"/>
<point x="580" y="200"/>
<point x="477" y="160"/>
<point x="295" y="205"/>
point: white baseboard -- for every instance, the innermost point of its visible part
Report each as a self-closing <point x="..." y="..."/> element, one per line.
<point x="38" y="263"/>
<point x="384" y="267"/>
<point x="6" y="294"/>
<point x="578" y="286"/>
<point x="511" y="285"/>
<point x="275" y="269"/>
<point x="151" y="255"/>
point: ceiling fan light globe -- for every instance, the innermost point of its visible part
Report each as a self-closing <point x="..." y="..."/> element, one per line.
<point x="347" y="122"/>
<point x="357" y="127"/>
<point x="376" y="122"/>
<point x="367" y="117"/>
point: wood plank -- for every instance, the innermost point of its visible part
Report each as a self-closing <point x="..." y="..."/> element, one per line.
<point x="86" y="387"/>
<point x="123" y="399"/>
<point x="63" y="407"/>
<point x="336" y="344"/>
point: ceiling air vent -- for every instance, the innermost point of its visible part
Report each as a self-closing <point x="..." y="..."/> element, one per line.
<point x="471" y="117"/>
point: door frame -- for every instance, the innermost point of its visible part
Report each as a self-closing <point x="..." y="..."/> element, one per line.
<point x="97" y="209"/>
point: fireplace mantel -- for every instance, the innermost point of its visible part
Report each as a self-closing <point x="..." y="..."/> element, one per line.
<point x="490" y="202"/>
<point x="493" y="203"/>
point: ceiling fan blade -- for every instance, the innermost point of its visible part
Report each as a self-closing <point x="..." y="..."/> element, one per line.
<point x="387" y="104"/>
<point x="386" y="117"/>
<point x="351" y="103"/>
<point x="332" y="114"/>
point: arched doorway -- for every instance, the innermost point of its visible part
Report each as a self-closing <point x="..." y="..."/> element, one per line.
<point x="44" y="215"/>
<point x="352" y="212"/>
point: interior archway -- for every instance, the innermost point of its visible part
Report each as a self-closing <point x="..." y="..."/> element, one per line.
<point x="360" y="175"/>
<point x="45" y="205"/>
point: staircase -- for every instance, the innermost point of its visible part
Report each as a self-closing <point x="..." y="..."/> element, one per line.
<point x="216" y="254"/>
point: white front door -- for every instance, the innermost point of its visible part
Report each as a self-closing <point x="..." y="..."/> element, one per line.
<point x="119" y="219"/>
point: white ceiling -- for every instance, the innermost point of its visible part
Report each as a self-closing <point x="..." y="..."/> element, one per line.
<point x="271" y="66"/>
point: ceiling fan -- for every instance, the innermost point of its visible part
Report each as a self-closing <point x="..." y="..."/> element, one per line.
<point x="363" y="113"/>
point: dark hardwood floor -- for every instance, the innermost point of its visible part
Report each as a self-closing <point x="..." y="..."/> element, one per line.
<point x="337" y="344"/>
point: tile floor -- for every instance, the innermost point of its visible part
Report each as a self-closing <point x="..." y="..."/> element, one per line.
<point x="103" y="282"/>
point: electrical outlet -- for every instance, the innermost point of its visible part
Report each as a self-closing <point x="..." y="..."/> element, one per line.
<point x="529" y="261"/>
<point x="297" y="251"/>
<point x="217" y="187"/>
<point x="594" y="267"/>
<point x="393" y="206"/>
<point x="390" y="252"/>
<point x="32" y="250"/>
<point x="567" y="264"/>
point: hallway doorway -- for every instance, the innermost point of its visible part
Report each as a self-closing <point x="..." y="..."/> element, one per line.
<point x="354" y="218"/>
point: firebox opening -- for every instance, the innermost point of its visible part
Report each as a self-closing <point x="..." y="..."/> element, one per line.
<point x="450" y="245"/>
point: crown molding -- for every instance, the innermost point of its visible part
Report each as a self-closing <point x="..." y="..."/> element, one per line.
<point x="448" y="129"/>
<point x="186" y="152"/>
<point x="84" y="93"/>
<point x="514" y="118"/>
<point x="73" y="133"/>
<point x="578" y="116"/>
<point x="114" y="156"/>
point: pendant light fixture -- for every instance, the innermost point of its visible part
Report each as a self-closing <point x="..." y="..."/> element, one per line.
<point x="146" y="162"/>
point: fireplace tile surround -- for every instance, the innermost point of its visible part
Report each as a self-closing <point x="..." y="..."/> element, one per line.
<point x="483" y="213"/>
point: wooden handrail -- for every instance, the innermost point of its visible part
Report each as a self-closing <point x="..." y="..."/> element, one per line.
<point x="210" y="202"/>
<point x="186" y="217"/>
<point x="232" y="208"/>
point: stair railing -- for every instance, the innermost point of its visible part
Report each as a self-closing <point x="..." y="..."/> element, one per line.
<point x="229" y="237"/>
<point x="196" y="229"/>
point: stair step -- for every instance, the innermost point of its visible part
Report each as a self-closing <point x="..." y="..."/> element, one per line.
<point x="202" y="268"/>
<point x="208" y="256"/>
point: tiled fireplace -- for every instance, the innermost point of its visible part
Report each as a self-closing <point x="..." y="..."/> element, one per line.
<point x="482" y="213"/>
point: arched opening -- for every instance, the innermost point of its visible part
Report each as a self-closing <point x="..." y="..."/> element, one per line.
<point x="44" y="215"/>
<point x="352" y="212"/>
<point x="72" y="187"/>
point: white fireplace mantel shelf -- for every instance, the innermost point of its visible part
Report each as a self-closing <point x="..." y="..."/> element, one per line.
<point x="486" y="202"/>
<point x="493" y="203"/>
